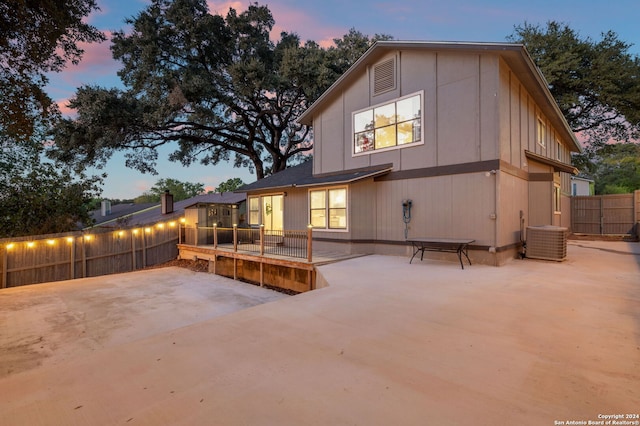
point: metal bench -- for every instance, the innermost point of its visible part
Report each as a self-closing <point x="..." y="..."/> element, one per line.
<point x="448" y="245"/>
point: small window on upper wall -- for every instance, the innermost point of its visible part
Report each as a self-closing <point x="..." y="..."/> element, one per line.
<point x="541" y="132"/>
<point x="559" y="149"/>
<point x="389" y="125"/>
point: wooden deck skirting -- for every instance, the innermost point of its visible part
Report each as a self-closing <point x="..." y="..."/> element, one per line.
<point x="216" y="255"/>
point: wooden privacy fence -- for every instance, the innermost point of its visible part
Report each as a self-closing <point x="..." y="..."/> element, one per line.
<point x="56" y="257"/>
<point x="616" y="214"/>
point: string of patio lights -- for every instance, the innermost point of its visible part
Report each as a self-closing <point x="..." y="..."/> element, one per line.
<point x="88" y="237"/>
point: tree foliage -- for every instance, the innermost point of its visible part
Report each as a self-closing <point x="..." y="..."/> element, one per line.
<point x="617" y="169"/>
<point x="217" y="87"/>
<point x="179" y="190"/>
<point x="41" y="198"/>
<point x="37" y="37"/>
<point x="595" y="83"/>
<point x="230" y="185"/>
<point x="597" y="87"/>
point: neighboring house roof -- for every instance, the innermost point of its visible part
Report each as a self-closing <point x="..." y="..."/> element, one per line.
<point x="583" y="179"/>
<point x="120" y="210"/>
<point x="515" y="55"/>
<point x="302" y="176"/>
<point x="216" y="198"/>
<point x="152" y="213"/>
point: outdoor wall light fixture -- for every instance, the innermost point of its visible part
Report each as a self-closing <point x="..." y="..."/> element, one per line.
<point x="10" y="246"/>
<point x="69" y="239"/>
<point x="172" y="224"/>
<point x="147" y="230"/>
<point x="490" y="172"/>
<point x="31" y="244"/>
<point x="51" y="242"/>
<point x="161" y="225"/>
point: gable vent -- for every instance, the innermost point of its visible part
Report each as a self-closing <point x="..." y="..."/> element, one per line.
<point x="384" y="77"/>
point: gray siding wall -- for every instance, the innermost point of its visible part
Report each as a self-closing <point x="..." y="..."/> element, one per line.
<point x="454" y="206"/>
<point x="475" y="109"/>
<point x="519" y="115"/>
<point x="460" y="114"/>
<point x="296" y="215"/>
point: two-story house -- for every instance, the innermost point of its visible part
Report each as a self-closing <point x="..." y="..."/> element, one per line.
<point x="469" y="132"/>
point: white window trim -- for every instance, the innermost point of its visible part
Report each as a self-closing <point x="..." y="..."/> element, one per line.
<point x="326" y="189"/>
<point x="259" y="197"/>
<point x="557" y="197"/>
<point x="541" y="140"/>
<point x="391" y="148"/>
<point x="249" y="210"/>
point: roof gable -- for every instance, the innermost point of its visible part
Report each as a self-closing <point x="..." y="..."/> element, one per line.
<point x="514" y="55"/>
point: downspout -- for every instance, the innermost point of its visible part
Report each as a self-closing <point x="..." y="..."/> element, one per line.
<point x="495" y="215"/>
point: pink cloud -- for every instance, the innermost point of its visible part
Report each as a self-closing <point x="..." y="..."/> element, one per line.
<point x="63" y="105"/>
<point x="222" y="7"/>
<point x="287" y="19"/>
<point x="305" y="25"/>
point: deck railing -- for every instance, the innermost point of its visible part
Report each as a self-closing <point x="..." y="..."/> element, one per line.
<point x="288" y="243"/>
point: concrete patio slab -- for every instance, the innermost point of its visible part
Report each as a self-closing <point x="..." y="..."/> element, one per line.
<point x="529" y="343"/>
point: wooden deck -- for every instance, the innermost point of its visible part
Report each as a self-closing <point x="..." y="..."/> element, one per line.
<point x="243" y="263"/>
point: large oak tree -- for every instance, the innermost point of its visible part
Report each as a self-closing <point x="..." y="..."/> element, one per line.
<point x="596" y="83"/>
<point x="38" y="37"/>
<point x="217" y="88"/>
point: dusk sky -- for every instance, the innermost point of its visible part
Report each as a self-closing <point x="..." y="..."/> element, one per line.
<point x="322" y="21"/>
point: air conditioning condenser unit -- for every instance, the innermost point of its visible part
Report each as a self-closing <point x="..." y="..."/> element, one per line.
<point x="547" y="242"/>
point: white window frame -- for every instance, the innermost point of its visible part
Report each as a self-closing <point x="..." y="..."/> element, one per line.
<point x="253" y="197"/>
<point x="541" y="132"/>
<point x="390" y="148"/>
<point x="327" y="208"/>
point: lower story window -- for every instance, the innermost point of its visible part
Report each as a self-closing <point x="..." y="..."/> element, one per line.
<point x="328" y="208"/>
<point x="254" y="210"/>
<point x="557" y="198"/>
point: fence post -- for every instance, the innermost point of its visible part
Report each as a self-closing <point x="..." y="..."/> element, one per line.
<point x="235" y="238"/>
<point x="261" y="239"/>
<point x="4" y="267"/>
<point x="84" y="255"/>
<point x="72" y="258"/>
<point x="144" y="248"/>
<point x="133" y="250"/>
<point x="309" y="243"/>
<point x="215" y="235"/>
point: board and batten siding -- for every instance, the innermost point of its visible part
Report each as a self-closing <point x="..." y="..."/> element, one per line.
<point x="519" y="115"/>
<point x="460" y="122"/>
<point x="453" y="206"/>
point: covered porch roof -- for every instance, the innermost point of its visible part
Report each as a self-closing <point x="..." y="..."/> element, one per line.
<point x="302" y="176"/>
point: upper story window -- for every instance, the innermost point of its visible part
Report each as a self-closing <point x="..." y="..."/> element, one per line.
<point x="388" y="125"/>
<point x="541" y="132"/>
